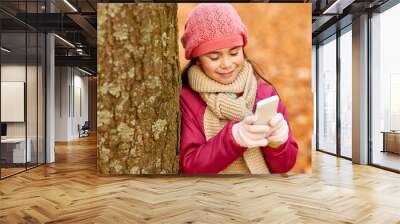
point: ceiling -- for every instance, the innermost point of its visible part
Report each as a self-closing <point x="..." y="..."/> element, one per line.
<point x="76" y="24"/>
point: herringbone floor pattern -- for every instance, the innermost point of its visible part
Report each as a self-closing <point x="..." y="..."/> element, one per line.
<point x="69" y="191"/>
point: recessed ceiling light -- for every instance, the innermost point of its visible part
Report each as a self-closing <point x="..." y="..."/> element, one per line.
<point x="70" y="5"/>
<point x="64" y="40"/>
<point x="337" y="7"/>
<point x="86" y="72"/>
<point x="5" y="50"/>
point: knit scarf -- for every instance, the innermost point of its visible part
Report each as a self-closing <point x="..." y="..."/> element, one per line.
<point x="223" y="105"/>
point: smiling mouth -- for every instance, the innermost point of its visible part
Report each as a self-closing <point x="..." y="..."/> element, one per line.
<point x="226" y="73"/>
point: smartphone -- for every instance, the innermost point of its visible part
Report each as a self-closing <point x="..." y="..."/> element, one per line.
<point x="266" y="109"/>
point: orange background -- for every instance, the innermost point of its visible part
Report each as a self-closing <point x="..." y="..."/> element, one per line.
<point x="280" y="42"/>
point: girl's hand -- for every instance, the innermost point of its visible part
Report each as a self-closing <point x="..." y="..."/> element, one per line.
<point x="279" y="132"/>
<point x="249" y="135"/>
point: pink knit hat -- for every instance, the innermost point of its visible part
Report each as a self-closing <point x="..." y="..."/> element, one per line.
<point x="212" y="26"/>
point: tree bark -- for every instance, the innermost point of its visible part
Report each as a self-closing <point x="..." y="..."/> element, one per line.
<point x="138" y="89"/>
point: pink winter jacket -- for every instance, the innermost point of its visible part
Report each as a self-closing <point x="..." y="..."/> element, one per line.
<point x="200" y="156"/>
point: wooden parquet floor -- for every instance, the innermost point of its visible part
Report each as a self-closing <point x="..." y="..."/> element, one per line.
<point x="69" y="191"/>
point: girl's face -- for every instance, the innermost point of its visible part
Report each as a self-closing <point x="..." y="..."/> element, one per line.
<point x="222" y="65"/>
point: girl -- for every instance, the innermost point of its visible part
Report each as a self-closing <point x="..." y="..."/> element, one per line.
<point x="220" y="89"/>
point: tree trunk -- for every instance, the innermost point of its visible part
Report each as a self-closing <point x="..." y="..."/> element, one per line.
<point x="138" y="89"/>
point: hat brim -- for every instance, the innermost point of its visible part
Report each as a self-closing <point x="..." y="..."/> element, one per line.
<point x="216" y="44"/>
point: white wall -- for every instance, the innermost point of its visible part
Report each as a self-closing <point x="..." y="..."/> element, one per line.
<point x="83" y="83"/>
<point x="12" y="73"/>
<point x="70" y="83"/>
<point x="62" y="81"/>
<point x="34" y="123"/>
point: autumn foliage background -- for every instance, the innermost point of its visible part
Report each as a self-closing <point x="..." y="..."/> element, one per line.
<point x="280" y="42"/>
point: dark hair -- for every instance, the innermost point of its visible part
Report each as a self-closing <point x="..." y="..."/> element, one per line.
<point x="257" y="70"/>
<point x="184" y="74"/>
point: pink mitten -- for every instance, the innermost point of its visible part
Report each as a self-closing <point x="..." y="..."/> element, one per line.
<point x="279" y="131"/>
<point x="249" y="135"/>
